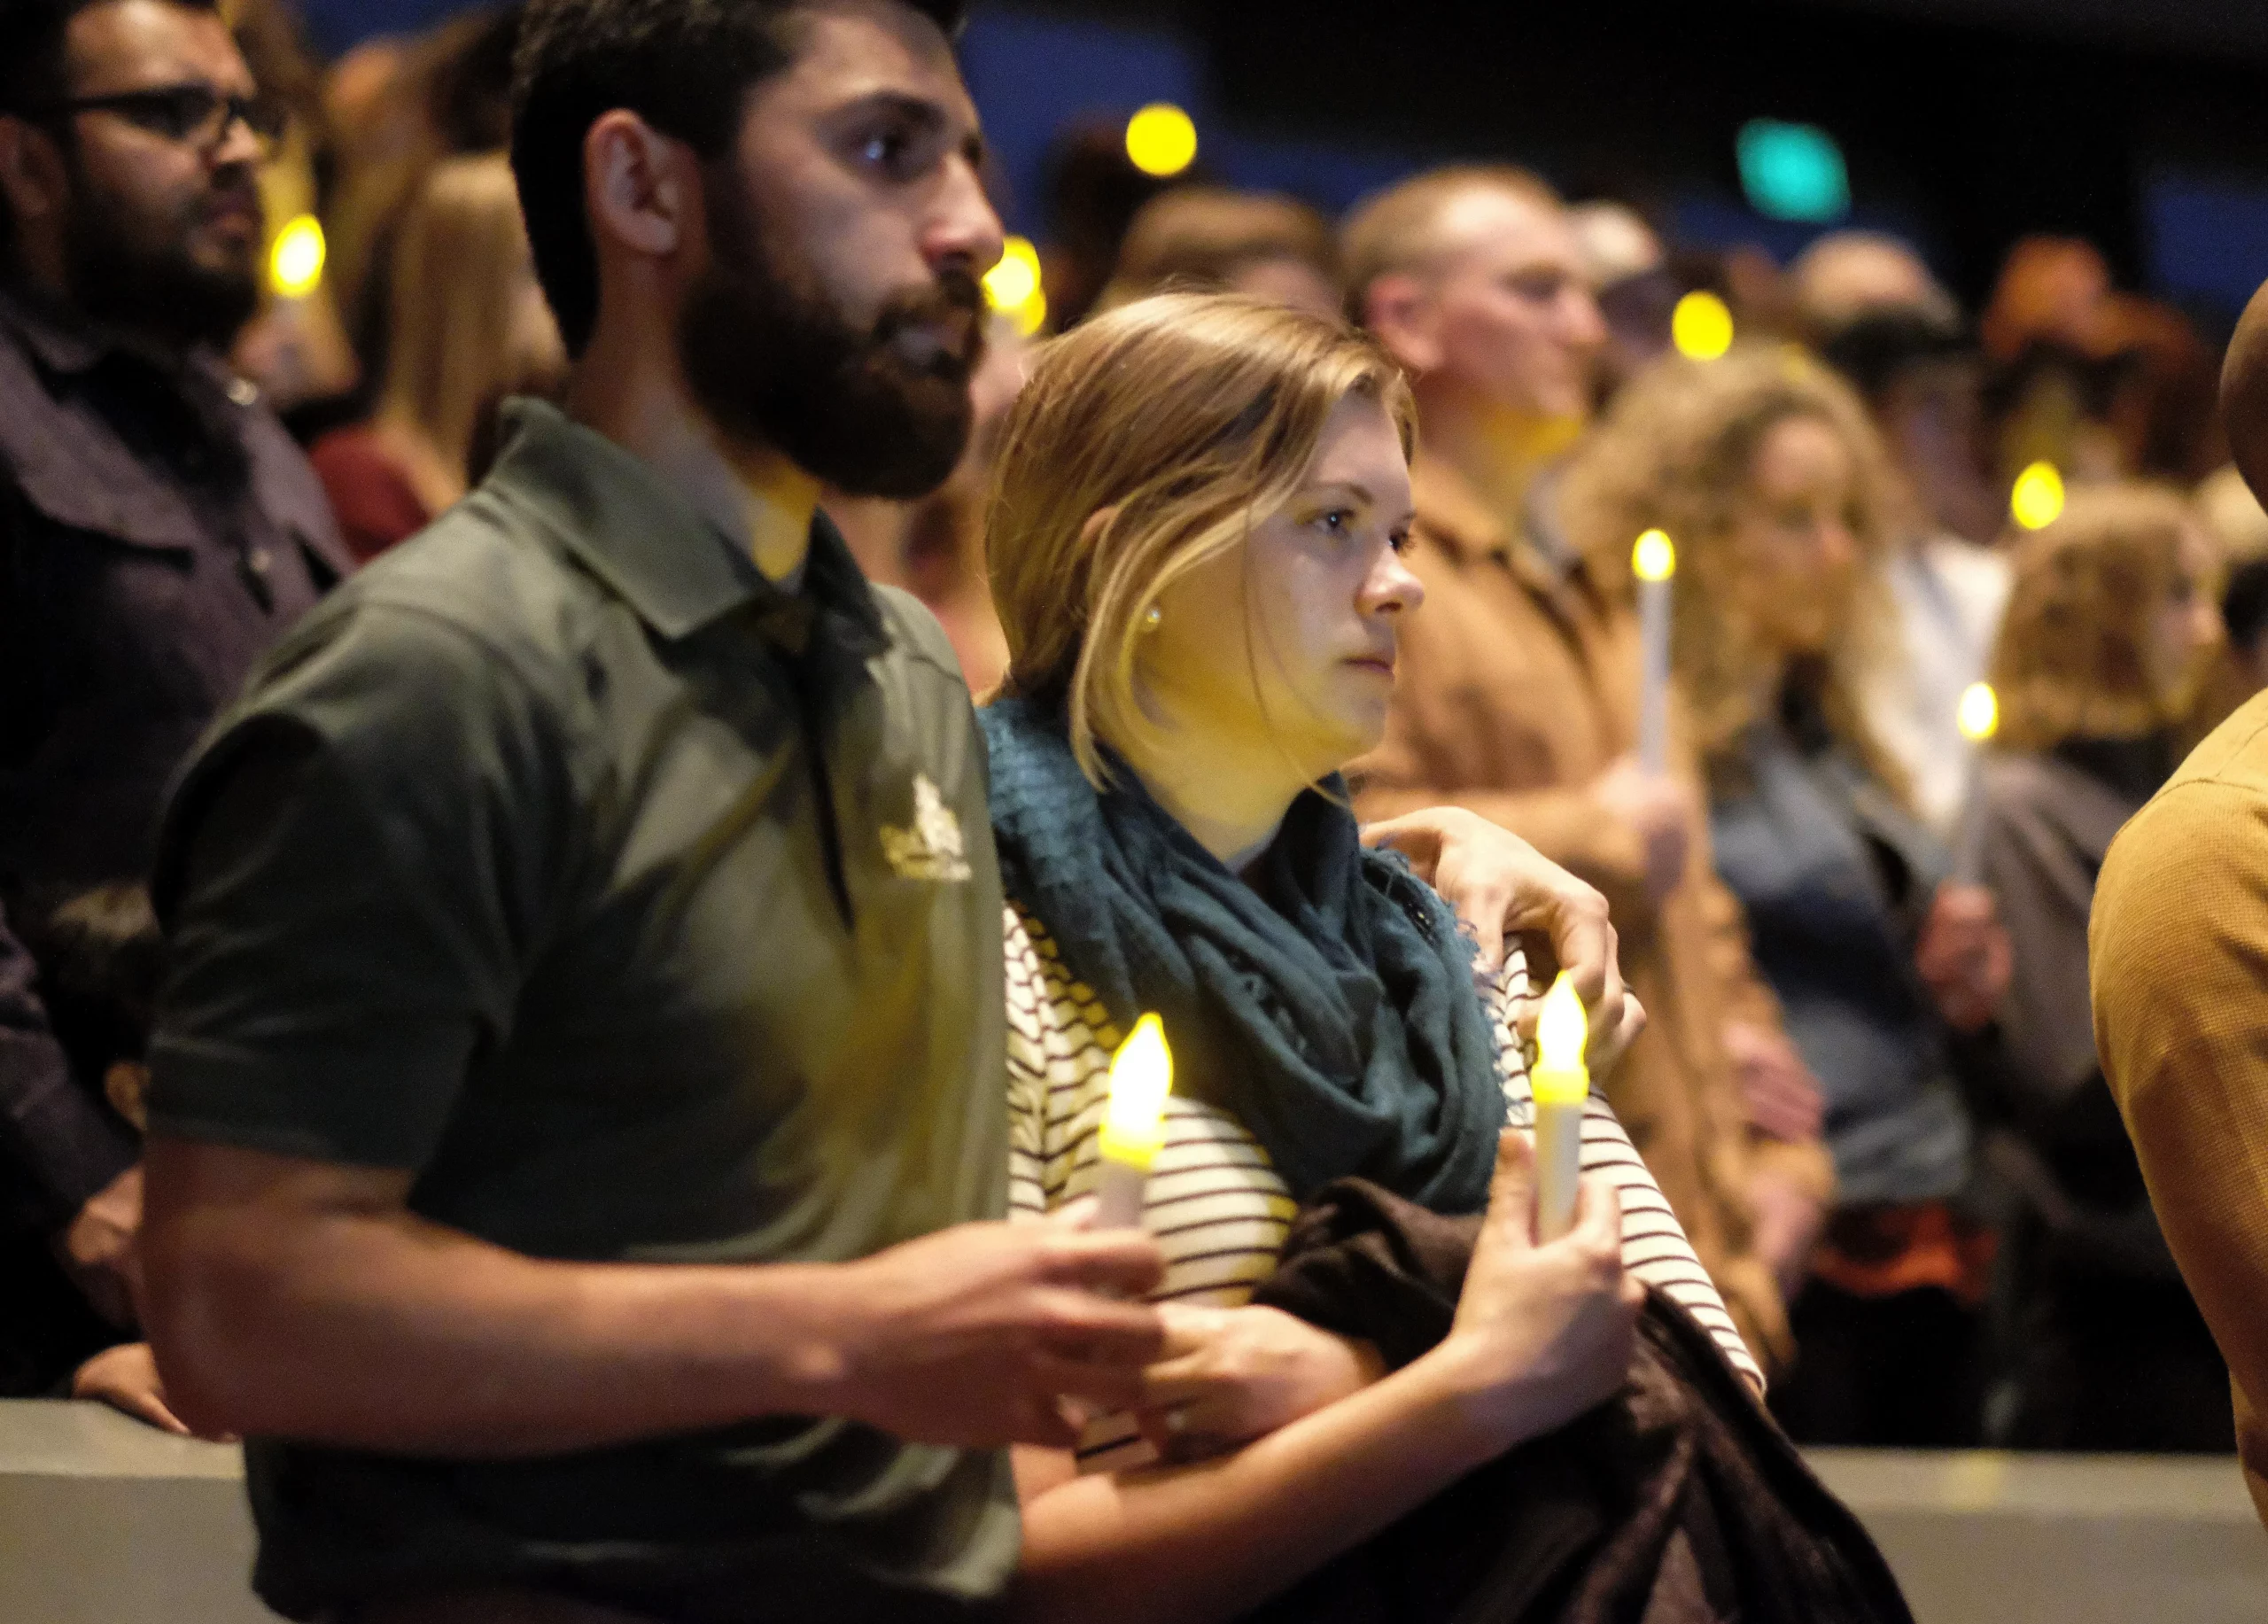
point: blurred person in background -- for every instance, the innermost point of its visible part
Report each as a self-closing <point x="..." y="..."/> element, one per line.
<point x="469" y="327"/>
<point x="2111" y="626"/>
<point x="1766" y="469"/>
<point x="1844" y="277"/>
<point x="159" y="530"/>
<point x="1208" y="239"/>
<point x="1920" y="377"/>
<point x="2174" y="951"/>
<point x="1517" y="699"/>
<point x="1635" y="285"/>
<point x="1093" y="193"/>
<point x="100" y="958"/>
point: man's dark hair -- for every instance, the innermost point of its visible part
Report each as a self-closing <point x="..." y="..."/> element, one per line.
<point x="684" y="67"/>
<point x="32" y="35"/>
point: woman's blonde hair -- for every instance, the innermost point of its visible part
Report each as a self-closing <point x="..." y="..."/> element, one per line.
<point x="1677" y="453"/>
<point x="1148" y="441"/>
<point x="457" y="272"/>
<point x="2072" y="660"/>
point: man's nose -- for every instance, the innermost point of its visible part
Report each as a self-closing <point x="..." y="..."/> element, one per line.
<point x="1585" y="326"/>
<point x="963" y="228"/>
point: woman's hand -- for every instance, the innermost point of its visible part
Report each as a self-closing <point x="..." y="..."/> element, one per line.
<point x="1964" y="956"/>
<point x="1542" y="1332"/>
<point x="126" y="1379"/>
<point x="1500" y="885"/>
<point x="1230" y="1375"/>
<point x="1784" y="1099"/>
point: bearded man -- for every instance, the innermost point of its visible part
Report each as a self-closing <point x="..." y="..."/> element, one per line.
<point x="577" y="1131"/>
<point x="159" y="531"/>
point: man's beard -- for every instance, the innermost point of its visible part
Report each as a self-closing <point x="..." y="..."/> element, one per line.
<point x="770" y="357"/>
<point x="116" y="276"/>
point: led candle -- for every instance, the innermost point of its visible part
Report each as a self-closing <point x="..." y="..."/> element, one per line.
<point x="1134" y="1122"/>
<point x="1561" y="1084"/>
<point x="1978" y="719"/>
<point x="1654" y="561"/>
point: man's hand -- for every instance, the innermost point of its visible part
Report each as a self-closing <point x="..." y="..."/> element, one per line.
<point x="1788" y="1219"/>
<point x="1231" y="1375"/>
<point x="98" y="1248"/>
<point x="126" y="1379"/>
<point x="1500" y="885"/>
<point x="993" y="1333"/>
<point x="1784" y="1099"/>
<point x="1665" y="812"/>
<point x="1965" y="957"/>
<point x="1542" y="1332"/>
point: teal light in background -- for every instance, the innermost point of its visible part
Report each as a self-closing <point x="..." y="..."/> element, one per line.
<point x="1792" y="171"/>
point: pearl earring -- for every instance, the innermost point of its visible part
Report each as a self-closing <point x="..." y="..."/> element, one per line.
<point x="1152" y="619"/>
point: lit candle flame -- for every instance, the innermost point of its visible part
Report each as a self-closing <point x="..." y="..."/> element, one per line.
<point x="1141" y="1076"/>
<point x="1701" y="326"/>
<point x="1654" y="558"/>
<point x="1562" y="1030"/>
<point x="1979" y="715"/>
<point x="2037" y="501"/>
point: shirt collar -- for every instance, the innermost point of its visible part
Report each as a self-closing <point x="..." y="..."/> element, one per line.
<point x="675" y="569"/>
<point x="61" y="342"/>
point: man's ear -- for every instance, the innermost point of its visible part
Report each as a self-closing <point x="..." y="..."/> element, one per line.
<point x="1399" y="308"/>
<point x="34" y="178"/>
<point x="640" y="186"/>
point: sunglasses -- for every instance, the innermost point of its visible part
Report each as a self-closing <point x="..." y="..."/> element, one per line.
<point x="195" y="114"/>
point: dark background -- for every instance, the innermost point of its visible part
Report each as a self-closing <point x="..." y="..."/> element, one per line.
<point x="2140" y="124"/>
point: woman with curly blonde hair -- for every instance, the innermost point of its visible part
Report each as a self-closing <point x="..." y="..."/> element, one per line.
<point x="1766" y="471"/>
<point x="2109" y="628"/>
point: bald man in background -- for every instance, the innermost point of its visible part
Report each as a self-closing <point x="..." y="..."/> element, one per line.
<point x="2178" y="954"/>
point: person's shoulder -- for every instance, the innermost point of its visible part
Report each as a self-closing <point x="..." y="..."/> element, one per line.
<point x="2202" y="839"/>
<point x="916" y="631"/>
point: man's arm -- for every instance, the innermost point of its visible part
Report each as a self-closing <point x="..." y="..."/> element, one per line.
<point x="300" y="1299"/>
<point x="2178" y="950"/>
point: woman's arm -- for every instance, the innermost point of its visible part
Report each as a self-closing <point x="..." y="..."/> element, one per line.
<point x="1542" y="1334"/>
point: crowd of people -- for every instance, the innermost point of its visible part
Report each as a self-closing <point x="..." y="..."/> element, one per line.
<point x="494" y="937"/>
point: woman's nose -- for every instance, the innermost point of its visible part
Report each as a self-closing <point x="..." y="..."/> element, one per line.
<point x="1392" y="588"/>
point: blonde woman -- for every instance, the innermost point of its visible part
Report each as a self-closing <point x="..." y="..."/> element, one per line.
<point x="1194" y="542"/>
<point x="469" y="326"/>
<point x="2111" y="627"/>
<point x="1767" y="472"/>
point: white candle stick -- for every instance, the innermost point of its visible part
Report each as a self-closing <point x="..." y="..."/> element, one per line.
<point x="1654" y="562"/>
<point x="1561" y="1084"/>
<point x="1134" y="1123"/>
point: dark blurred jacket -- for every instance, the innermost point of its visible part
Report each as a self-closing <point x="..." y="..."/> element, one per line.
<point x="159" y="530"/>
<point x="2112" y="1353"/>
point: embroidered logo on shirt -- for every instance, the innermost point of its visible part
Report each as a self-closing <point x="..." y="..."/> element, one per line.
<point x="932" y="849"/>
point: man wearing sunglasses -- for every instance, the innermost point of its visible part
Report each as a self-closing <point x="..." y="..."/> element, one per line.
<point x="158" y="530"/>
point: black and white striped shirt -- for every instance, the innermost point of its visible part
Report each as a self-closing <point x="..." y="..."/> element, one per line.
<point x="1214" y="1203"/>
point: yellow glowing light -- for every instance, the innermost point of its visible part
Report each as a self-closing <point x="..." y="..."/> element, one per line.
<point x="1980" y="713"/>
<point x="1161" y="140"/>
<point x="1653" y="559"/>
<point x="1141" y="1076"/>
<point x="2038" y="500"/>
<point x="1012" y="286"/>
<point x="295" y="264"/>
<point x="1562" y="1029"/>
<point x="1701" y="326"/>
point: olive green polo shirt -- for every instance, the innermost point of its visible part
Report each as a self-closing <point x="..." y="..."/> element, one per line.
<point x="646" y="912"/>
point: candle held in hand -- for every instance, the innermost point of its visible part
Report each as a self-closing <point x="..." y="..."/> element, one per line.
<point x="1561" y="1084"/>
<point x="1654" y="562"/>
<point x="1134" y="1122"/>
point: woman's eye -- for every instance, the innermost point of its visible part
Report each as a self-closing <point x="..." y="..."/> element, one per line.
<point x="1400" y="540"/>
<point x="1338" y="521"/>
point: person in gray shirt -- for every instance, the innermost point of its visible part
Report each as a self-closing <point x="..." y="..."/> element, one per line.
<point x="577" y="1137"/>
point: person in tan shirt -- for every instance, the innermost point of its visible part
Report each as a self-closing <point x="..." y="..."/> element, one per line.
<point x="1517" y="697"/>
<point x="2176" y="950"/>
